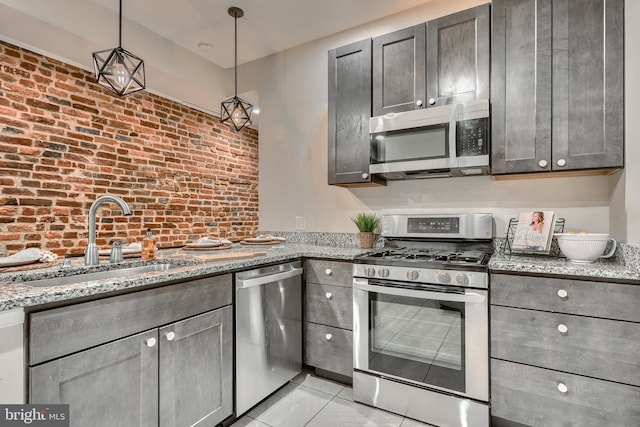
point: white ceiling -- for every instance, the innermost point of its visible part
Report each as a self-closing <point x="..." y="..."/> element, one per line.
<point x="268" y="26"/>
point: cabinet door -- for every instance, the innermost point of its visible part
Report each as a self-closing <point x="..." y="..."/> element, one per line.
<point x="111" y="385"/>
<point x="458" y="57"/>
<point x="196" y="369"/>
<point x="349" y="113"/>
<point x="588" y="67"/>
<point x="521" y="86"/>
<point x="399" y="71"/>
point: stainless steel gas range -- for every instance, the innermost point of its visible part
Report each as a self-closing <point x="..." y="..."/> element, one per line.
<point x="420" y="322"/>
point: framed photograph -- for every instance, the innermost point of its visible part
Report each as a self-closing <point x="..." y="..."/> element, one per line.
<point x="534" y="232"/>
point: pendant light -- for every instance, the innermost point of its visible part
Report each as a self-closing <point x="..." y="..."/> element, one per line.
<point x="118" y="70"/>
<point x="235" y="109"/>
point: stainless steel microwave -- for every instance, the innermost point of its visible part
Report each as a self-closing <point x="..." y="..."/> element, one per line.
<point x="445" y="141"/>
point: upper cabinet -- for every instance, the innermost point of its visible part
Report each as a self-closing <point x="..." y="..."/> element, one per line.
<point x="399" y="71"/>
<point x="349" y="114"/>
<point x="442" y="62"/>
<point x="557" y="86"/>
<point x="458" y="56"/>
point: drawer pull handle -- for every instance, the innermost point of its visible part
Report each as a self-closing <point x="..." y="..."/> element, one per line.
<point x="328" y="337"/>
<point x="563" y="328"/>
<point x="151" y="342"/>
<point x="328" y="272"/>
<point x="562" y="388"/>
<point x="328" y="295"/>
<point x="562" y="293"/>
<point x="170" y="336"/>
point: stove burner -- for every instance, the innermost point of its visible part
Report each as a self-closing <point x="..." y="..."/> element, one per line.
<point x="428" y="255"/>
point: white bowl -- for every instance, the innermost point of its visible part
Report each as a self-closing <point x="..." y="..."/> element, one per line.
<point x="585" y="247"/>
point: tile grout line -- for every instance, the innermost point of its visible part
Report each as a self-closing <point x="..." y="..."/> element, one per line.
<point x="320" y="410"/>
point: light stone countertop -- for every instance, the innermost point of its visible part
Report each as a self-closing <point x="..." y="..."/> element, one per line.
<point x="624" y="268"/>
<point x="14" y="294"/>
<point x="550" y="266"/>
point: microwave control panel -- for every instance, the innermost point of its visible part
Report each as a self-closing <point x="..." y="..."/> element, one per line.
<point x="472" y="137"/>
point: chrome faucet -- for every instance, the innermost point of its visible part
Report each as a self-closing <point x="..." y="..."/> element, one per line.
<point x="91" y="255"/>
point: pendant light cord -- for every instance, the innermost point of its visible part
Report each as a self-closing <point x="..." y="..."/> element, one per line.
<point x="120" y="27"/>
<point x="235" y="23"/>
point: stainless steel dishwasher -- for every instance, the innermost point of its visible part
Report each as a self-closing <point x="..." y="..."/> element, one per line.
<point x="268" y="310"/>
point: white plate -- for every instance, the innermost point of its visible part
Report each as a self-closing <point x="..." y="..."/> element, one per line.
<point x="27" y="256"/>
<point x="200" y="245"/>
<point x="259" y="239"/>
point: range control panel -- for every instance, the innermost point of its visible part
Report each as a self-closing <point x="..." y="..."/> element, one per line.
<point x="472" y="137"/>
<point x="433" y="225"/>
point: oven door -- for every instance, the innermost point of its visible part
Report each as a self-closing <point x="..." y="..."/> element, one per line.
<point x="431" y="338"/>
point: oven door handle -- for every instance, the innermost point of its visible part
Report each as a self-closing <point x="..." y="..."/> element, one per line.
<point x="470" y="297"/>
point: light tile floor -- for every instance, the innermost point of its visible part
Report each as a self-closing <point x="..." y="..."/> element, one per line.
<point x="316" y="402"/>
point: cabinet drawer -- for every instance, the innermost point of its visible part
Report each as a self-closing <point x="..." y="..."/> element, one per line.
<point x="329" y="305"/>
<point x="600" y="348"/>
<point x="532" y="396"/>
<point x="329" y="348"/>
<point x="60" y="331"/>
<point x="329" y="272"/>
<point x="595" y="299"/>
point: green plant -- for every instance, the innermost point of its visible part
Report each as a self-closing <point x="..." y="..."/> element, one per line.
<point x="365" y="222"/>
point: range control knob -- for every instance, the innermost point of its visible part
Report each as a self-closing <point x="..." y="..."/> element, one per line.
<point x="369" y="271"/>
<point x="383" y="272"/>
<point x="412" y="275"/>
<point x="444" y="277"/>
<point x="462" y="279"/>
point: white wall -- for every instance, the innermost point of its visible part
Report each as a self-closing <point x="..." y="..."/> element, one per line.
<point x="293" y="154"/>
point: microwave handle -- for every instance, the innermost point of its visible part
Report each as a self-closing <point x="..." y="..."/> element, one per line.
<point x="453" y="128"/>
<point x="470" y="297"/>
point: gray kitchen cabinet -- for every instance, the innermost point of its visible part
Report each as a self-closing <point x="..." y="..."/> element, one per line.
<point x="196" y="365"/>
<point x="443" y="62"/>
<point x="564" y="352"/>
<point x="557" y="91"/>
<point x="111" y="385"/>
<point x="399" y="70"/>
<point x="458" y="56"/>
<point x="329" y="316"/>
<point x="155" y="357"/>
<point x="349" y="111"/>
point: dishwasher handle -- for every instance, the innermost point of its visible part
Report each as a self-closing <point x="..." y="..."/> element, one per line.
<point x="268" y="278"/>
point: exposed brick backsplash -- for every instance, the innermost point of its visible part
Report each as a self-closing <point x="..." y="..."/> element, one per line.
<point x="65" y="141"/>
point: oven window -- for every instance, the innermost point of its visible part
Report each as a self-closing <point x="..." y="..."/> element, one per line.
<point x="410" y="144"/>
<point x="421" y="340"/>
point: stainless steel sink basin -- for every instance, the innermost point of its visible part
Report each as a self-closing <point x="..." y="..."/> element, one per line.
<point x="101" y="275"/>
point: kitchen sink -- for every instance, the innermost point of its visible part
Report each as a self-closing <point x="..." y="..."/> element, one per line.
<point x="101" y="275"/>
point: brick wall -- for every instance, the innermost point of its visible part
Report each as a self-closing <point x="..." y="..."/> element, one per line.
<point x="65" y="141"/>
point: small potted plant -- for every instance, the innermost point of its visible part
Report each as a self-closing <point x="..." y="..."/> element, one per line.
<point x="367" y="225"/>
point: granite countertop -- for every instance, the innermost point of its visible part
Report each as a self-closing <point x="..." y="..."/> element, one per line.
<point x="625" y="267"/>
<point x="540" y="265"/>
<point x="14" y="294"/>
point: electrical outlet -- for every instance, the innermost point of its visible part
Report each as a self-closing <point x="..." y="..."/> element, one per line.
<point x="301" y="223"/>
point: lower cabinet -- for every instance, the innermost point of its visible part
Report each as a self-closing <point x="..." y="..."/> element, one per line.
<point x="542" y="397"/>
<point x="329" y="316"/>
<point x="177" y="374"/>
<point x="330" y="349"/>
<point x="564" y="352"/>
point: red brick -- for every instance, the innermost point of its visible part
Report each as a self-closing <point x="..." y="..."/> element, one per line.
<point x="79" y="141"/>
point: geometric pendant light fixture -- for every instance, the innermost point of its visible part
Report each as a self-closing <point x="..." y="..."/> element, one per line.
<point x="118" y="70"/>
<point x="235" y="109"/>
